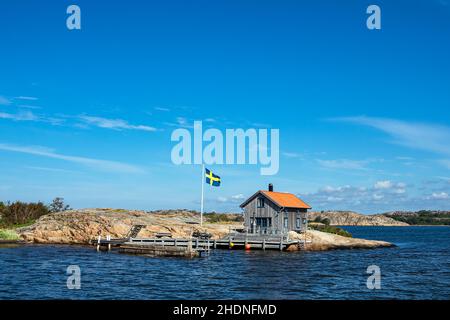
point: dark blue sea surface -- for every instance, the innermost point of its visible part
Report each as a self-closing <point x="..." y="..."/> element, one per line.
<point x="419" y="268"/>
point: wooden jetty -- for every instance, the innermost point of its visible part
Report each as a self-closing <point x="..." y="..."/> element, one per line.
<point x="165" y="245"/>
<point x="156" y="250"/>
<point x="192" y="246"/>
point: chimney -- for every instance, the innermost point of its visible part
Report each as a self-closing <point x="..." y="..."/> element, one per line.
<point x="270" y="187"/>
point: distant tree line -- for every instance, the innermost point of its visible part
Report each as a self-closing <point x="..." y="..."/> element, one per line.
<point x="21" y="213"/>
<point x="423" y="217"/>
<point x="213" y="217"/>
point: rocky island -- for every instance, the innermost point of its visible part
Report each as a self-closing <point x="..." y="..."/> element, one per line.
<point x="81" y="226"/>
<point x="350" y="218"/>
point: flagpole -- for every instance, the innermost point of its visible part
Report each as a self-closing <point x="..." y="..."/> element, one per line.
<point x="203" y="188"/>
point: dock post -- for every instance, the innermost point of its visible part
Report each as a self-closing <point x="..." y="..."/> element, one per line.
<point x="196" y="243"/>
<point x="175" y="243"/>
<point x="215" y="244"/>
<point x="281" y="245"/>
<point x="304" y="242"/>
<point x="108" y="238"/>
<point x="98" y="243"/>
<point x="264" y="244"/>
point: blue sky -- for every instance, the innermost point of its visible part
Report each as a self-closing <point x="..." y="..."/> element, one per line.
<point x="364" y="116"/>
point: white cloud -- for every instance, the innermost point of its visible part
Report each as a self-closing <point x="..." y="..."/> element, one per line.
<point x="415" y="135"/>
<point x="89" y="162"/>
<point x="377" y="197"/>
<point x="27" y="106"/>
<point x="180" y="122"/>
<point x="238" y="197"/>
<point x="4" y="101"/>
<point x="334" y="199"/>
<point x="439" y="196"/>
<point x="329" y="189"/>
<point x="26" y="98"/>
<point x="401" y="185"/>
<point x="222" y="199"/>
<point x="344" y="164"/>
<point x="46" y="169"/>
<point x="117" y="124"/>
<point x="114" y="124"/>
<point x="291" y="155"/>
<point x="21" y="116"/>
<point x="381" y="196"/>
<point x="383" y="184"/>
<point x="444" y="162"/>
<point x="399" y="191"/>
<point x="162" y="109"/>
<point x="26" y="115"/>
<point x="389" y="186"/>
<point x="232" y="199"/>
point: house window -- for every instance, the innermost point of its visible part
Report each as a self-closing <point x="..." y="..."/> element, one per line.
<point x="298" y="222"/>
<point x="286" y="222"/>
<point x="260" y="202"/>
<point x="264" y="222"/>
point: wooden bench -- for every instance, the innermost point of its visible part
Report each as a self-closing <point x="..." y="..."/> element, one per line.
<point x="202" y="235"/>
<point x="163" y="235"/>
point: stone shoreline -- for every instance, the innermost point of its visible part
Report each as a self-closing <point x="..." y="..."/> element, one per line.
<point x="321" y="241"/>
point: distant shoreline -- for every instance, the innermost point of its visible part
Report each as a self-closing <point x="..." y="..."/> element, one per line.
<point x="397" y="218"/>
<point x="385" y="226"/>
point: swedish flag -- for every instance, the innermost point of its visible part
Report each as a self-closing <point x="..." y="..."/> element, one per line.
<point x="212" y="179"/>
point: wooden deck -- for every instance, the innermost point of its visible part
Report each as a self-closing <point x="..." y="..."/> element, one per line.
<point x="156" y="250"/>
<point x="201" y="246"/>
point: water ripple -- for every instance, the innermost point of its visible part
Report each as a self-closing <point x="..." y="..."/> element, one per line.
<point x="418" y="268"/>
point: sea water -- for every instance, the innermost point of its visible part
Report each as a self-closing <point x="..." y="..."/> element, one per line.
<point x="418" y="268"/>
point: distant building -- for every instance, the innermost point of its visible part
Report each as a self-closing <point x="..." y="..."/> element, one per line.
<point x="269" y="212"/>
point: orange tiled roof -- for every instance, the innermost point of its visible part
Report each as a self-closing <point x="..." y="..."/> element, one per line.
<point x="287" y="200"/>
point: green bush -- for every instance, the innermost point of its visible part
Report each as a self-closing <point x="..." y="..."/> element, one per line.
<point x="331" y="229"/>
<point x="8" y="235"/>
<point x="324" y="221"/>
<point x="20" y="213"/>
<point x="223" y="218"/>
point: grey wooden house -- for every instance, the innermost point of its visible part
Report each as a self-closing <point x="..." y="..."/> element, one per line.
<point x="269" y="212"/>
